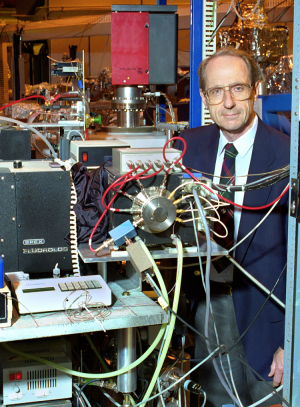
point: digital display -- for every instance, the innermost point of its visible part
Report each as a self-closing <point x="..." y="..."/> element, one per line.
<point x="38" y="290"/>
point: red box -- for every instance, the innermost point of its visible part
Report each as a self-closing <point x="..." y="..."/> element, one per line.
<point x="130" y="48"/>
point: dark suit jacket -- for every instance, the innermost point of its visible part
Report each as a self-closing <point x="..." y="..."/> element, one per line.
<point x="264" y="253"/>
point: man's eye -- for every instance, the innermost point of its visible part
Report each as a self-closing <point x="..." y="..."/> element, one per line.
<point x="238" y="88"/>
<point x="216" y="91"/>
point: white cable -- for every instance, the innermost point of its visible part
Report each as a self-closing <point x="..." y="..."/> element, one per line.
<point x="27" y="126"/>
<point x="94" y="317"/>
<point x="82" y="395"/>
<point x="181" y="378"/>
<point x="210" y="306"/>
<point x="267" y="397"/>
<point x="260" y="285"/>
<point x="73" y="231"/>
<point x="170" y="107"/>
<point x="204" y="401"/>
<point x="232" y="381"/>
<point x="207" y="284"/>
<point x="249" y="15"/>
<point x="255" y="227"/>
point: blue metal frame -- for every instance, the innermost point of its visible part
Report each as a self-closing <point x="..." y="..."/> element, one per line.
<point x="272" y="105"/>
<point x="196" y="36"/>
<point x="291" y="388"/>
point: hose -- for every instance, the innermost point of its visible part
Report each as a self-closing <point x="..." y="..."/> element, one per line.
<point x="207" y="282"/>
<point x="172" y="319"/>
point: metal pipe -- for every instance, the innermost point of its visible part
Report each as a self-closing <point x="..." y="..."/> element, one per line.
<point x="127" y="382"/>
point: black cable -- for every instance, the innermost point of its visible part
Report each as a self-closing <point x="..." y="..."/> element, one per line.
<point x="229" y="350"/>
<point x="82" y="388"/>
<point x="249" y="175"/>
<point x="281" y="14"/>
<point x="231" y="354"/>
<point x="273" y="8"/>
<point x="258" y="184"/>
<point x="141" y="396"/>
<point x="259" y="311"/>
<point x="218" y="26"/>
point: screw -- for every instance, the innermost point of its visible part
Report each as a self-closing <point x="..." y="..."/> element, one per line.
<point x="146" y="25"/>
<point x="2" y="240"/>
<point x="13" y="219"/>
<point x="2" y="178"/>
<point x="125" y="293"/>
<point x="12" y="187"/>
<point x="2" y="255"/>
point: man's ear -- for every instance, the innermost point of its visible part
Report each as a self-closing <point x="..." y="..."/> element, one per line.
<point x="256" y="91"/>
<point x="203" y="98"/>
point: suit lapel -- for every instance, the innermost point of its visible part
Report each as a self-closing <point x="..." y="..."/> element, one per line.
<point x="208" y="151"/>
<point x="262" y="158"/>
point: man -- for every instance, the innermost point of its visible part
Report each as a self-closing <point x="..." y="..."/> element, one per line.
<point x="229" y="87"/>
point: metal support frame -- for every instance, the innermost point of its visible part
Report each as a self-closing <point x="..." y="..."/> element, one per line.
<point x="291" y="390"/>
<point x="196" y="57"/>
<point x="203" y="23"/>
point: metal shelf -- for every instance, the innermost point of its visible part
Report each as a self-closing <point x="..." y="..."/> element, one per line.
<point x="165" y="252"/>
<point x="132" y="310"/>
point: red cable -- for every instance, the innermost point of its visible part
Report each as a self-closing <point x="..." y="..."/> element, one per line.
<point x="107" y="207"/>
<point x="20" y="100"/>
<point x="54" y="99"/>
<point x="61" y="95"/>
<point x="182" y="154"/>
<point x="86" y="134"/>
<point x="152" y="175"/>
<point x="117" y="183"/>
<point x="219" y="196"/>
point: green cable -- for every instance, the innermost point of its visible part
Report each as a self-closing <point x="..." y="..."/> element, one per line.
<point x="172" y="319"/>
<point x="125" y="369"/>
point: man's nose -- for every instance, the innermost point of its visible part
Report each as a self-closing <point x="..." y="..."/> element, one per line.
<point x="229" y="100"/>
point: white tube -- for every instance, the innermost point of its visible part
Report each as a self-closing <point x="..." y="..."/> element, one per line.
<point x="260" y="285"/>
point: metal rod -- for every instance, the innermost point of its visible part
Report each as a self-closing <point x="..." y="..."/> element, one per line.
<point x="127" y="382"/>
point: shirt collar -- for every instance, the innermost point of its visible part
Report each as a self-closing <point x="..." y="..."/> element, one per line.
<point x="243" y="143"/>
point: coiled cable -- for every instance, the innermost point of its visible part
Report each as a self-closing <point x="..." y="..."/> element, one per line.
<point x="73" y="231"/>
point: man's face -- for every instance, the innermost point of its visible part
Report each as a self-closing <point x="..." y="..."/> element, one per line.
<point x="234" y="117"/>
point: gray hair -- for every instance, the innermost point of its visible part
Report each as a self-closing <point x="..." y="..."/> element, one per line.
<point x="253" y="68"/>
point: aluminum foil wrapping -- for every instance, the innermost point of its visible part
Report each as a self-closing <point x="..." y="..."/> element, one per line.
<point x="279" y="77"/>
<point x="267" y="43"/>
<point x="40" y="89"/>
<point x="21" y="110"/>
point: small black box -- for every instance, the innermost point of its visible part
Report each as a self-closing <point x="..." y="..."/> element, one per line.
<point x="15" y="144"/>
<point x="35" y="217"/>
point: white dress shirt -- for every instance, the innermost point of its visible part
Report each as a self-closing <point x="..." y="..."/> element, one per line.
<point x="244" y="146"/>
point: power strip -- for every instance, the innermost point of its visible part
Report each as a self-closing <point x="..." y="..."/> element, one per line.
<point x="123" y="158"/>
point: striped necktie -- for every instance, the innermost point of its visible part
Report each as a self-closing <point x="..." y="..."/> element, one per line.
<point x="226" y="212"/>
